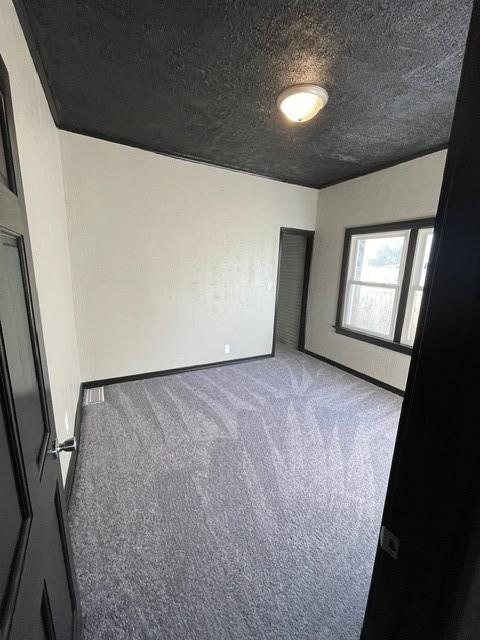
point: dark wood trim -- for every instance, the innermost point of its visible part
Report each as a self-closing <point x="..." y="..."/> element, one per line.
<point x="297" y="232"/>
<point x="398" y="225"/>
<point x="73" y="458"/>
<point x="413" y="226"/>
<point x="404" y="291"/>
<point x="343" y="279"/>
<point x="379" y="342"/>
<point x="277" y="289"/>
<point x="306" y="283"/>
<point x="353" y="372"/>
<point x="171" y="372"/>
<point x="309" y="235"/>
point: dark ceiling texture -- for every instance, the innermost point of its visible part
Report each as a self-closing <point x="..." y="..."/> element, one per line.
<point x="199" y="79"/>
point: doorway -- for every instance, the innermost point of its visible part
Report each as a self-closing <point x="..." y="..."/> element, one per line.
<point x="294" y="259"/>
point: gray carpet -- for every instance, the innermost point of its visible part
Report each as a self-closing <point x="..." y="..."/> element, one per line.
<point x="241" y="502"/>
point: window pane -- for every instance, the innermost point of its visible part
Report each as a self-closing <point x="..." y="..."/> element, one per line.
<point x="370" y="309"/>
<point x="426" y="258"/>
<point x="378" y="259"/>
<point x="410" y="328"/>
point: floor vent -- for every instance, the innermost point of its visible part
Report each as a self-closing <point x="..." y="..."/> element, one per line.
<point x="93" y="396"/>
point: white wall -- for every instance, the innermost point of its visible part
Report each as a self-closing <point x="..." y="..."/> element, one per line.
<point x="409" y="190"/>
<point x="170" y="259"/>
<point x="40" y="161"/>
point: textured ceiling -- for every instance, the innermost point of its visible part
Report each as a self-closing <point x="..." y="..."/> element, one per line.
<point x="199" y="79"/>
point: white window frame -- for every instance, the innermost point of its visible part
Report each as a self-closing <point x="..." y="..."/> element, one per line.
<point x="351" y="281"/>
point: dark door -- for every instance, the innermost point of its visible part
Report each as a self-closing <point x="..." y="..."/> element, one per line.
<point x="38" y="595"/>
<point x="429" y="589"/>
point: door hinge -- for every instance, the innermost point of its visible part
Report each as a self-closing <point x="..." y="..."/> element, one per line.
<point x="389" y="542"/>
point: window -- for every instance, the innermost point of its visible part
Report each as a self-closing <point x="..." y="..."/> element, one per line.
<point x="383" y="275"/>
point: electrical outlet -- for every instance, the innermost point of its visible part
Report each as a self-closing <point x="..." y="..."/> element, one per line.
<point x="269" y="286"/>
<point x="226" y="348"/>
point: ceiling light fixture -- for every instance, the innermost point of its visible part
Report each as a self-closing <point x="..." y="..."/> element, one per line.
<point x="302" y="102"/>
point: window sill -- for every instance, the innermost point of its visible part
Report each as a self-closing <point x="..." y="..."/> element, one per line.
<point x="379" y="342"/>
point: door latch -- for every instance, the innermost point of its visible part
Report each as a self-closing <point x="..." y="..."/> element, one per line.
<point x="70" y="444"/>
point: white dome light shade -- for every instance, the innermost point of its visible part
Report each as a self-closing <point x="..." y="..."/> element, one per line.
<point x="302" y="102"/>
